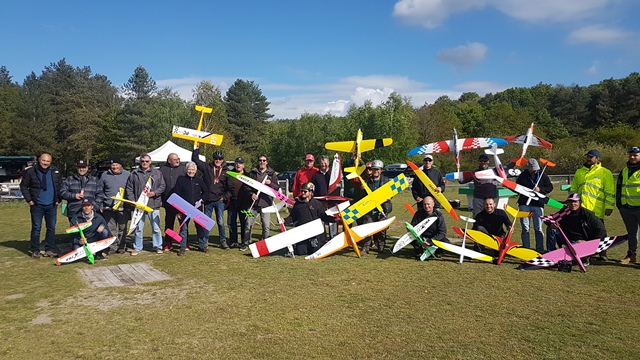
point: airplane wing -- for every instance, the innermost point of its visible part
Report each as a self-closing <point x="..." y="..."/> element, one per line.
<point x="516" y="139"/>
<point x="582" y="249"/>
<point x="191" y="211"/>
<point x="260" y="187"/>
<point x="413" y="234"/>
<point x="436" y="147"/>
<point x="287" y="238"/>
<point x="79" y="253"/>
<point x="343" y="146"/>
<point x="372" y="144"/>
<point x="76" y="228"/>
<point x="336" y="173"/>
<point x="374" y="199"/>
<point x="197" y="136"/>
<point x="138" y="205"/>
<point x="534" y="195"/>
<point x="463" y="251"/>
<point x="479" y="237"/>
<point x="536" y="141"/>
<point x="432" y="189"/>
<point x="479" y="143"/>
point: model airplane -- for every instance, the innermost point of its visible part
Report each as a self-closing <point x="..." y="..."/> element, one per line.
<point x="374" y="199"/>
<point x="414" y="233"/>
<point x="261" y="187"/>
<point x="527" y="140"/>
<point x="118" y="199"/>
<point x="462" y="251"/>
<point x="141" y="206"/>
<point x="247" y="211"/>
<point x="432" y="189"/>
<point x="358" y="146"/>
<point x="467" y="220"/>
<point x="546" y="163"/>
<point x="336" y="174"/>
<point x="82" y="252"/>
<point x="571" y="252"/>
<point x="78" y="229"/>
<point x="503" y="245"/>
<point x="287" y="238"/>
<point x="196" y="136"/>
<point x="190" y="212"/>
<point x="456" y="145"/>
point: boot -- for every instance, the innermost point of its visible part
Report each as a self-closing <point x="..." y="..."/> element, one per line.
<point x="603" y="256"/>
<point x="630" y="258"/>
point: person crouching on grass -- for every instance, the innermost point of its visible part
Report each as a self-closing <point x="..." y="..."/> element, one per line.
<point x="97" y="231"/>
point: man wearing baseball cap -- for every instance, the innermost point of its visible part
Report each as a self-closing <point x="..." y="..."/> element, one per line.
<point x="628" y="201"/>
<point x="482" y="189"/>
<point x="111" y="182"/>
<point x="595" y="185"/>
<point x="78" y="186"/>
<point x="98" y="230"/>
<point x="419" y="190"/>
<point x="304" y="174"/>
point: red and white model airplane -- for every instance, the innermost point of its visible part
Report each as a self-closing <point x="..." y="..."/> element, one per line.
<point x="527" y="140"/>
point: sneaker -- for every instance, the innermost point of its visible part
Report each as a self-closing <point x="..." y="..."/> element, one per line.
<point x="100" y="257"/>
<point x="187" y="247"/>
<point x="603" y="257"/>
<point x="50" y="253"/>
<point x="233" y="245"/>
<point x="134" y="252"/>
<point x="243" y="248"/>
<point x="224" y="245"/>
<point x="121" y="251"/>
<point x="364" y="251"/>
<point x="167" y="248"/>
<point x="36" y="255"/>
<point x="630" y="258"/>
<point x="288" y="255"/>
<point x="181" y="252"/>
<point x="204" y="250"/>
<point x="159" y="251"/>
<point x="585" y="261"/>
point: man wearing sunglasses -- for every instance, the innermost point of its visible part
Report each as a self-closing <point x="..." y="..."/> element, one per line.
<point x="135" y="185"/>
<point x="305" y="210"/>
<point x="595" y="185"/>
<point x="628" y="201"/>
<point x="259" y="201"/>
<point x="419" y="190"/>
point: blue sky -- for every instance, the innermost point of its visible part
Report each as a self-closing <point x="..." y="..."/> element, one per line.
<point x="322" y="56"/>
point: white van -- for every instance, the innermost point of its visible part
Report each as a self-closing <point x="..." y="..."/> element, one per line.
<point x="396" y="167"/>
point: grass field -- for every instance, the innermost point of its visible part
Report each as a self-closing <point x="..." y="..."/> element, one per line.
<point x="226" y="304"/>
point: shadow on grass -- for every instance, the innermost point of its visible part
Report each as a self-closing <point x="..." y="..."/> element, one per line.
<point x="62" y="242"/>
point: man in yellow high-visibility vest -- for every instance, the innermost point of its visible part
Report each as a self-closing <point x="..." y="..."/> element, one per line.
<point x="628" y="201"/>
<point x="596" y="187"/>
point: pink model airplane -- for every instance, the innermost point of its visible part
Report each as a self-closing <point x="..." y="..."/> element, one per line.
<point x="191" y="212"/>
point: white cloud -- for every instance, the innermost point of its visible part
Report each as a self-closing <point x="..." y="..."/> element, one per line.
<point x="599" y="34"/>
<point x="432" y="13"/>
<point x="463" y="55"/>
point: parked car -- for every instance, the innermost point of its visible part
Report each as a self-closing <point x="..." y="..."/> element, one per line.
<point x="287" y="175"/>
<point x="395" y="167"/>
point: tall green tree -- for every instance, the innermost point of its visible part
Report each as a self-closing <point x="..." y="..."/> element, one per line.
<point x="247" y="113"/>
<point x="140" y="85"/>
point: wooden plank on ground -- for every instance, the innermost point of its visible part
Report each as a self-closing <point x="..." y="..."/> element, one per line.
<point x="122" y="275"/>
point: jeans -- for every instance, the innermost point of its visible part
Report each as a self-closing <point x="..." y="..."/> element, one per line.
<point x="218" y="206"/>
<point x="537" y="227"/>
<point x="184" y="234"/>
<point x="49" y="212"/>
<point x="631" y="219"/>
<point x="266" y="223"/>
<point x="117" y="222"/>
<point x="233" y="213"/>
<point x="156" y="233"/>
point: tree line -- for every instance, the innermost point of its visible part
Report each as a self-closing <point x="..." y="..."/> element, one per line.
<point x="76" y="114"/>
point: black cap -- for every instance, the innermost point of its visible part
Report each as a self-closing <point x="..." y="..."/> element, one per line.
<point x="115" y="159"/>
<point x="483" y="157"/>
<point x="87" y="201"/>
<point x="81" y="163"/>
<point x="240" y="160"/>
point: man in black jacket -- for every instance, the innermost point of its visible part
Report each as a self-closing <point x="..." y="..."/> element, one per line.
<point x="217" y="184"/>
<point x="171" y="170"/>
<point x="40" y="187"/>
<point x="437" y="231"/>
<point x="305" y="210"/>
<point x="419" y="190"/>
<point x="260" y="173"/>
<point x="482" y="189"/>
<point x="533" y="179"/>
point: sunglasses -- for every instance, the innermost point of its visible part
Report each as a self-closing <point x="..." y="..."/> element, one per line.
<point x="428" y="160"/>
<point x="262" y="160"/>
<point x="304" y="191"/>
<point x="145" y="161"/>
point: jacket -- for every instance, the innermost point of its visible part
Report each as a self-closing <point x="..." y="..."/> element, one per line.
<point x="30" y="185"/>
<point x="437" y="231"/>
<point x="191" y="189"/>
<point x="581" y="225"/>
<point x="111" y="184"/>
<point x="137" y="181"/>
<point x="628" y="187"/>
<point x="73" y="185"/>
<point x="529" y="181"/>
<point x="214" y="177"/>
<point x="303" y="175"/>
<point x="482" y="189"/>
<point x="171" y="174"/>
<point x="264" y="200"/>
<point x="418" y="189"/>
<point x="596" y="188"/>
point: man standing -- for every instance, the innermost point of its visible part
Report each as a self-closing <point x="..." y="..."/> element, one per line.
<point x="482" y="189"/>
<point x="171" y="170"/>
<point x="217" y="184"/>
<point x="305" y="210"/>
<point x="596" y="188"/>
<point x="533" y="179"/>
<point x="628" y="201"/>
<point x="40" y="187"/>
<point x="374" y="182"/>
<point x="239" y="200"/>
<point x="259" y="174"/>
<point x="77" y="187"/>
<point x="321" y="178"/>
<point x="133" y="189"/>
<point x="111" y="182"/>
<point x="304" y="174"/>
<point x="437" y="231"/>
<point x="419" y="190"/>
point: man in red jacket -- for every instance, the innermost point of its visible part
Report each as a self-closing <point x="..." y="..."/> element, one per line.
<point x="304" y="174"/>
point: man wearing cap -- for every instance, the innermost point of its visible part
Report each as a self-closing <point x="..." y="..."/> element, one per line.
<point x="238" y="201"/>
<point x="533" y="179"/>
<point x="216" y="180"/>
<point x="374" y="182"/>
<point x="578" y="224"/>
<point x="628" y="201"/>
<point x="304" y="174"/>
<point x="595" y="185"/>
<point x="264" y="174"/>
<point x="40" y="187"/>
<point x="305" y="210"/>
<point x="419" y="190"/>
<point x="111" y="182"/>
<point x="135" y="185"/>
<point x="171" y="170"/>
<point x="79" y="186"/>
<point x="482" y="189"/>
<point x="97" y="231"/>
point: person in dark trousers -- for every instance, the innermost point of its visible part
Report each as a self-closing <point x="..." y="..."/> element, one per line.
<point x="98" y="230"/>
<point x="305" y="210"/>
<point x="40" y="187"/>
<point x="213" y="175"/>
<point x="482" y="189"/>
<point x="533" y="179"/>
<point x="260" y="173"/>
<point x="111" y="182"/>
<point x="374" y="182"/>
<point x="238" y="201"/>
<point x="437" y="231"/>
<point x="171" y="170"/>
<point x="192" y="189"/>
<point x="628" y="202"/>
<point x="321" y="178"/>
<point x="419" y="190"/>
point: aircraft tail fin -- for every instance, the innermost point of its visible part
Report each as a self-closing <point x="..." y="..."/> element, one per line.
<point x="519" y="161"/>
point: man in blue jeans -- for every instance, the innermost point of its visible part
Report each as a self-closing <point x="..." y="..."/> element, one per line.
<point x="216" y="180"/>
<point x="40" y="187"/>
<point x="533" y="179"/>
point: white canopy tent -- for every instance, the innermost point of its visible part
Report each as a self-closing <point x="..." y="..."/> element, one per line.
<point x="160" y="154"/>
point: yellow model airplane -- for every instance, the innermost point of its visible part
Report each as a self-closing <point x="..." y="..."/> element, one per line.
<point x="198" y="136"/>
<point x="118" y="199"/>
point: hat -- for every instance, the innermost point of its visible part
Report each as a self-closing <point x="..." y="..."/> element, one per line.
<point x="634" y="150"/>
<point x="594" y="152"/>
<point x="428" y="157"/>
<point x="239" y="160"/>
<point x="82" y="163"/>
<point x="532" y="164"/>
<point x="573" y="197"/>
<point x="115" y="159"/>
<point x="87" y="201"/>
<point x="309" y="157"/>
<point x="483" y="157"/>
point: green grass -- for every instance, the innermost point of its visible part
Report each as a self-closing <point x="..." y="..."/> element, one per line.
<point x="226" y="304"/>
